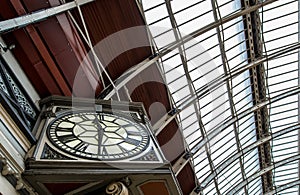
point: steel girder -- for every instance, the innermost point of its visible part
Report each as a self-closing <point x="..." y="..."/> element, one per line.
<point x="130" y="74"/>
<point x="22" y="21"/>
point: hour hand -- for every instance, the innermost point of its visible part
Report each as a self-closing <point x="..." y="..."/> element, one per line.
<point x="97" y="123"/>
<point x="100" y="133"/>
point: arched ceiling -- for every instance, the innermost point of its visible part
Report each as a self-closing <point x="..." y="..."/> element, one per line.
<point x="218" y="79"/>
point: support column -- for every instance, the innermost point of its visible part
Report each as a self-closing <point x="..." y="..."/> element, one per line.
<point x="253" y="33"/>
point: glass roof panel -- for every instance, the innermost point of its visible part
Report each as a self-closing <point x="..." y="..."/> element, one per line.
<point x="237" y="110"/>
<point x="280" y="24"/>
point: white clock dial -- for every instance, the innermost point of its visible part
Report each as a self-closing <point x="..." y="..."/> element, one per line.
<point x="101" y="136"/>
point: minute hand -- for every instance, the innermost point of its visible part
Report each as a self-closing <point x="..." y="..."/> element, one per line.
<point x="100" y="131"/>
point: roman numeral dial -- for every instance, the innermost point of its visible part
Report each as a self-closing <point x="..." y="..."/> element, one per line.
<point x="101" y="136"/>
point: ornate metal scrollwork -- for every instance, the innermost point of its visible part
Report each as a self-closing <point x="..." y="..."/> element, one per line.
<point x="3" y="86"/>
<point x="49" y="153"/>
<point x="150" y="156"/>
<point x="15" y="98"/>
<point x="20" y="98"/>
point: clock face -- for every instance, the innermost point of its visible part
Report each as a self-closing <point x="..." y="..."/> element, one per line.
<point x="101" y="136"/>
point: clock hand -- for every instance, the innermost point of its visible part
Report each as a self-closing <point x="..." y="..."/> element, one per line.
<point x="132" y="141"/>
<point x="100" y="131"/>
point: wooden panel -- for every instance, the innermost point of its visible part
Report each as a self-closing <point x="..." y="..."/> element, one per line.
<point x="56" y="35"/>
<point x="186" y="179"/>
<point x="148" y="87"/>
<point x="77" y="46"/>
<point x="171" y="142"/>
<point x="62" y="188"/>
<point x="6" y="11"/>
<point x="29" y="59"/>
<point x="46" y="78"/>
<point x="63" y="54"/>
<point x="62" y="68"/>
<point x="154" y="187"/>
<point x="32" y="6"/>
<point x="53" y="36"/>
<point x="106" y="17"/>
<point x="28" y="56"/>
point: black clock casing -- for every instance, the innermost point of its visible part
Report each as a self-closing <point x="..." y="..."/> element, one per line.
<point x="93" y="131"/>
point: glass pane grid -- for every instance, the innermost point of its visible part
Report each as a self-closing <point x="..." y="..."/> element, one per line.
<point x="228" y="109"/>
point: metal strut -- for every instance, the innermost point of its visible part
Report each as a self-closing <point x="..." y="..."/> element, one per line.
<point x="229" y="86"/>
<point x="174" y="45"/>
<point x="264" y="171"/>
<point x="191" y="86"/>
<point x="252" y="24"/>
<point x="22" y="21"/>
<point x="247" y="149"/>
<point x="217" y="82"/>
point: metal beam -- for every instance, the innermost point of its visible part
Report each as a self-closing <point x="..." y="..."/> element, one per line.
<point x="191" y="86"/>
<point x="180" y="163"/>
<point x="43" y="51"/>
<point x="229" y="86"/>
<point x="215" y="131"/>
<point x="22" y="21"/>
<point x="153" y="45"/>
<point x="298" y="96"/>
<point x="262" y="172"/>
<point x="172" y="46"/>
<point x="150" y="37"/>
<point x="218" y="23"/>
<point x="158" y="126"/>
<point x="247" y="149"/>
<point x="252" y="26"/>
<point x="284" y="187"/>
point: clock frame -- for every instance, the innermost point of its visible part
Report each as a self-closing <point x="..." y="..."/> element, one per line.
<point x="51" y="162"/>
<point x="67" y="130"/>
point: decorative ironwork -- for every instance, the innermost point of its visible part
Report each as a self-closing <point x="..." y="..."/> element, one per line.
<point x="150" y="156"/>
<point x="21" y="99"/>
<point x="49" y="153"/>
<point x="15" y="99"/>
<point x="3" y="86"/>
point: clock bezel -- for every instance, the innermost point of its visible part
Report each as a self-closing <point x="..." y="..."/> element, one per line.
<point x="90" y="156"/>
